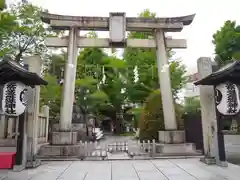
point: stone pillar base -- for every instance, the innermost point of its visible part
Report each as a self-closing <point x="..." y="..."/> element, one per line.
<point x="18" y="168"/>
<point x="64" y="138"/>
<point x="208" y="160"/>
<point x="172" y="143"/>
<point x="33" y="164"/>
<point x="171" y="136"/>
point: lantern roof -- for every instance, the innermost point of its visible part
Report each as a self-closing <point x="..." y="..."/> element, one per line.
<point x="229" y="72"/>
<point x="12" y="71"/>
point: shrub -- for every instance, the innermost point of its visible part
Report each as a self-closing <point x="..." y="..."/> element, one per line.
<point x="152" y="120"/>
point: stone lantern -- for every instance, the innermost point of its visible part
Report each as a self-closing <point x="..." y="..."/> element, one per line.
<point x="90" y="124"/>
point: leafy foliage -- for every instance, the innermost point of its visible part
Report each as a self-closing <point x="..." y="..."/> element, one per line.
<point x="104" y="83"/>
<point x="7" y="25"/>
<point x="192" y="105"/>
<point x="51" y="95"/>
<point x="2" y="4"/>
<point x="28" y="36"/>
<point x="142" y="68"/>
<point x="56" y="65"/>
<point x="227" y="43"/>
<point x="152" y="119"/>
<point x="142" y="82"/>
<point x="89" y="76"/>
<point x="24" y="31"/>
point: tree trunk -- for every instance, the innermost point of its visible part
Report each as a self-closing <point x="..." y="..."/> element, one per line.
<point x="18" y="57"/>
<point x="118" y="122"/>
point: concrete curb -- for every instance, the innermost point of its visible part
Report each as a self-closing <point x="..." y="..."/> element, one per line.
<point x="118" y="159"/>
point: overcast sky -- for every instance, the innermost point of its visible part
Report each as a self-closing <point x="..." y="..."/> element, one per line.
<point x="210" y="16"/>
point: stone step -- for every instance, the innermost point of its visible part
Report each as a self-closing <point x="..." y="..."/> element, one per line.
<point x="69" y="158"/>
<point x="179" y="154"/>
<point x="54" y="151"/>
<point x="58" y="158"/>
<point x="118" y="156"/>
<point x="176" y="149"/>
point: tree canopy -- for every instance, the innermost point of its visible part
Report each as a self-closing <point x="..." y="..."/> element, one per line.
<point x="105" y="84"/>
<point x="227" y="43"/>
<point x="143" y="62"/>
<point x="23" y="31"/>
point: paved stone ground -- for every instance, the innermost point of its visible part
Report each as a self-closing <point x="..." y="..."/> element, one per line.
<point x="112" y="139"/>
<point x="176" y="169"/>
<point x="117" y="156"/>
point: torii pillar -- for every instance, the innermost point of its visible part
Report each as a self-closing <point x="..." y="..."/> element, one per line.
<point x="171" y="134"/>
<point x="65" y="134"/>
<point x="69" y="82"/>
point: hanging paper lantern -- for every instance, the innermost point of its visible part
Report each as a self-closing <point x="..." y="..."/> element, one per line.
<point x="227" y="99"/>
<point x="14" y="98"/>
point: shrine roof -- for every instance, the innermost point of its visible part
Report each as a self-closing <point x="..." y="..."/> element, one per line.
<point x="229" y="72"/>
<point x="12" y="71"/>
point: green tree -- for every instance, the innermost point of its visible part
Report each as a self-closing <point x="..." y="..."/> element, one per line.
<point x="2" y="4"/>
<point x="142" y="68"/>
<point x="56" y="65"/>
<point x="152" y="120"/>
<point x="7" y="25"/>
<point x="89" y="76"/>
<point x="227" y="43"/>
<point x="192" y="105"/>
<point x="28" y="35"/>
<point x="115" y="87"/>
<point x="143" y="83"/>
<point x="100" y="82"/>
<point x="51" y="95"/>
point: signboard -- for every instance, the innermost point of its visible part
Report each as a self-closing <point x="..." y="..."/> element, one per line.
<point x="117" y="27"/>
<point x="14" y="98"/>
<point x="227" y="99"/>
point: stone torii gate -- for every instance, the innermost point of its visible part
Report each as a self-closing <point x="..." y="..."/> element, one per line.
<point x="117" y="24"/>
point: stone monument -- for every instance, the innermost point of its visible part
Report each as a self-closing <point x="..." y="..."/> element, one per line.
<point x="208" y="110"/>
<point x="78" y="122"/>
<point x="77" y="116"/>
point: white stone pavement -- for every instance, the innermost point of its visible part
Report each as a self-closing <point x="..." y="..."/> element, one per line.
<point x="171" y="169"/>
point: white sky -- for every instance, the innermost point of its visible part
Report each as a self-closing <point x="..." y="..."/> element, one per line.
<point x="210" y="16"/>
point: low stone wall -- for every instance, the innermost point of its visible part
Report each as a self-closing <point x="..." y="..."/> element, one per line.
<point x="7" y="142"/>
<point x="232" y="146"/>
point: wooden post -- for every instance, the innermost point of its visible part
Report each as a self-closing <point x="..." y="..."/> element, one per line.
<point x="21" y="153"/>
<point x="3" y="119"/>
<point x="45" y="110"/>
<point x="220" y="136"/>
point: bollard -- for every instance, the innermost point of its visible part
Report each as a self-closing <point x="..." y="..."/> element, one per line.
<point x="144" y="145"/>
<point x="153" y="148"/>
<point x="85" y="148"/>
<point x="148" y="146"/>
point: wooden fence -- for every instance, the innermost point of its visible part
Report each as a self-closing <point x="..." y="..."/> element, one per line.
<point x="9" y="127"/>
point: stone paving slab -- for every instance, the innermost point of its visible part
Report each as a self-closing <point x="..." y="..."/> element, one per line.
<point x="118" y="156"/>
<point x="171" y="169"/>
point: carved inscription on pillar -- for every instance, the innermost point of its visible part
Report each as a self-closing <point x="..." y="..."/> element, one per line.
<point x="208" y="111"/>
